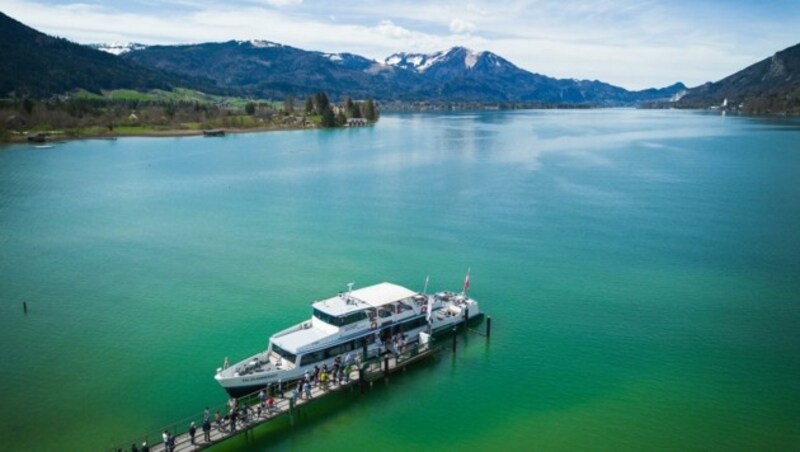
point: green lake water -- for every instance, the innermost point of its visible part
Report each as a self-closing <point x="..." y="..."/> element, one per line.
<point x="642" y="270"/>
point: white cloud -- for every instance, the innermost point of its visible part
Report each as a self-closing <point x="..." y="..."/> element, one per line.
<point x="389" y="29"/>
<point x="461" y="27"/>
<point x="475" y="9"/>
<point x="280" y="3"/>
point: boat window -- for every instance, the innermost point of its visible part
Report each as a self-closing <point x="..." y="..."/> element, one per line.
<point x="312" y="357"/>
<point x="340" y="321"/>
<point x="327" y="318"/>
<point x="353" y="318"/>
<point x="283" y="353"/>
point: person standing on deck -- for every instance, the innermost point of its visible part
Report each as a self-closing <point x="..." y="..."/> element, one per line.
<point x="307" y="389"/>
<point x="316" y="375"/>
<point x="207" y="430"/>
<point x="262" y="398"/>
<point x="232" y="416"/>
<point x="165" y="439"/>
<point x="192" y="431"/>
<point x="218" y="421"/>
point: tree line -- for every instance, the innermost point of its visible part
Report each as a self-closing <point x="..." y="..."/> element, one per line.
<point x="106" y="116"/>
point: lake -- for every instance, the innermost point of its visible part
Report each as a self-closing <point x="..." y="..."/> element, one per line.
<point x="642" y="270"/>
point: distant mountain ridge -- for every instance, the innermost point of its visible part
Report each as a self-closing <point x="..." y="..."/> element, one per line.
<point x="460" y="75"/>
<point x="37" y="65"/>
<point x="770" y="86"/>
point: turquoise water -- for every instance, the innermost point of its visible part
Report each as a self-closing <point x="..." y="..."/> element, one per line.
<point x="642" y="269"/>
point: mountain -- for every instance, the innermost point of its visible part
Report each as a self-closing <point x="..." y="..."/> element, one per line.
<point x="770" y="86"/>
<point x="38" y="65"/>
<point x="461" y="74"/>
<point x="269" y="69"/>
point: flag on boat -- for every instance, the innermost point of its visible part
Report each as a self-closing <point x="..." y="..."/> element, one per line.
<point x="466" y="282"/>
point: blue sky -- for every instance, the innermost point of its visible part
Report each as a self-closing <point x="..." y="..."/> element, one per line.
<point x="634" y="44"/>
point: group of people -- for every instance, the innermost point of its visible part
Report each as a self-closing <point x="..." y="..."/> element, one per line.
<point x="339" y="373"/>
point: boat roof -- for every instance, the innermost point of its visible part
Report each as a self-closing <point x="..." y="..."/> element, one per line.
<point x="300" y="338"/>
<point x="382" y="294"/>
<point x="371" y="296"/>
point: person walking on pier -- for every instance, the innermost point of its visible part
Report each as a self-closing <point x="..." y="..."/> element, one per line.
<point x="218" y="421"/>
<point x="165" y="438"/>
<point x="323" y="379"/>
<point x="270" y="405"/>
<point x="232" y="416"/>
<point x="316" y="375"/>
<point x="262" y="398"/>
<point x="192" y="431"/>
<point x="307" y="389"/>
<point x="207" y="430"/>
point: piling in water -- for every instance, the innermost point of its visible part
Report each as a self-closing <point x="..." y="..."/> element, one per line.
<point x="25" y="307"/>
<point x="488" y="326"/>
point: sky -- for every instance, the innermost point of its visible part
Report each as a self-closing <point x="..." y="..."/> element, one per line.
<point x="635" y="44"/>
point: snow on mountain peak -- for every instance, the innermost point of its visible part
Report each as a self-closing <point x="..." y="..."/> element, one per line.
<point x="117" y="48"/>
<point x="471" y="58"/>
<point x="261" y="43"/>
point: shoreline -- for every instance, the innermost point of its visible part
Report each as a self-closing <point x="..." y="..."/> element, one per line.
<point x="58" y="136"/>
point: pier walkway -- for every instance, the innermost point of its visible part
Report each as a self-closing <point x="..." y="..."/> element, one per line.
<point x="374" y="369"/>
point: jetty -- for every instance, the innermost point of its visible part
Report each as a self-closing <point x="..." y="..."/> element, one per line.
<point x="252" y="412"/>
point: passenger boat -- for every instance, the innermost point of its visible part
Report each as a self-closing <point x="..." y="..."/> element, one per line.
<point x="354" y="325"/>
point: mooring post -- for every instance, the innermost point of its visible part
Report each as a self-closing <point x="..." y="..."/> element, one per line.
<point x="454" y="339"/>
<point x="25" y="307"/>
<point x="488" y="326"/>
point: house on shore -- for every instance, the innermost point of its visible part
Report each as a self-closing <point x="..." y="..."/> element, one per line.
<point x="357" y="122"/>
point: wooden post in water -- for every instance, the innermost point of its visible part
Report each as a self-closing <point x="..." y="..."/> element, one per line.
<point x="25" y="307"/>
<point x="488" y="326"/>
<point x="454" y="340"/>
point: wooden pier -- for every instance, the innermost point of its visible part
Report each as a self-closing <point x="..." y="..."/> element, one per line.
<point x="370" y="371"/>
